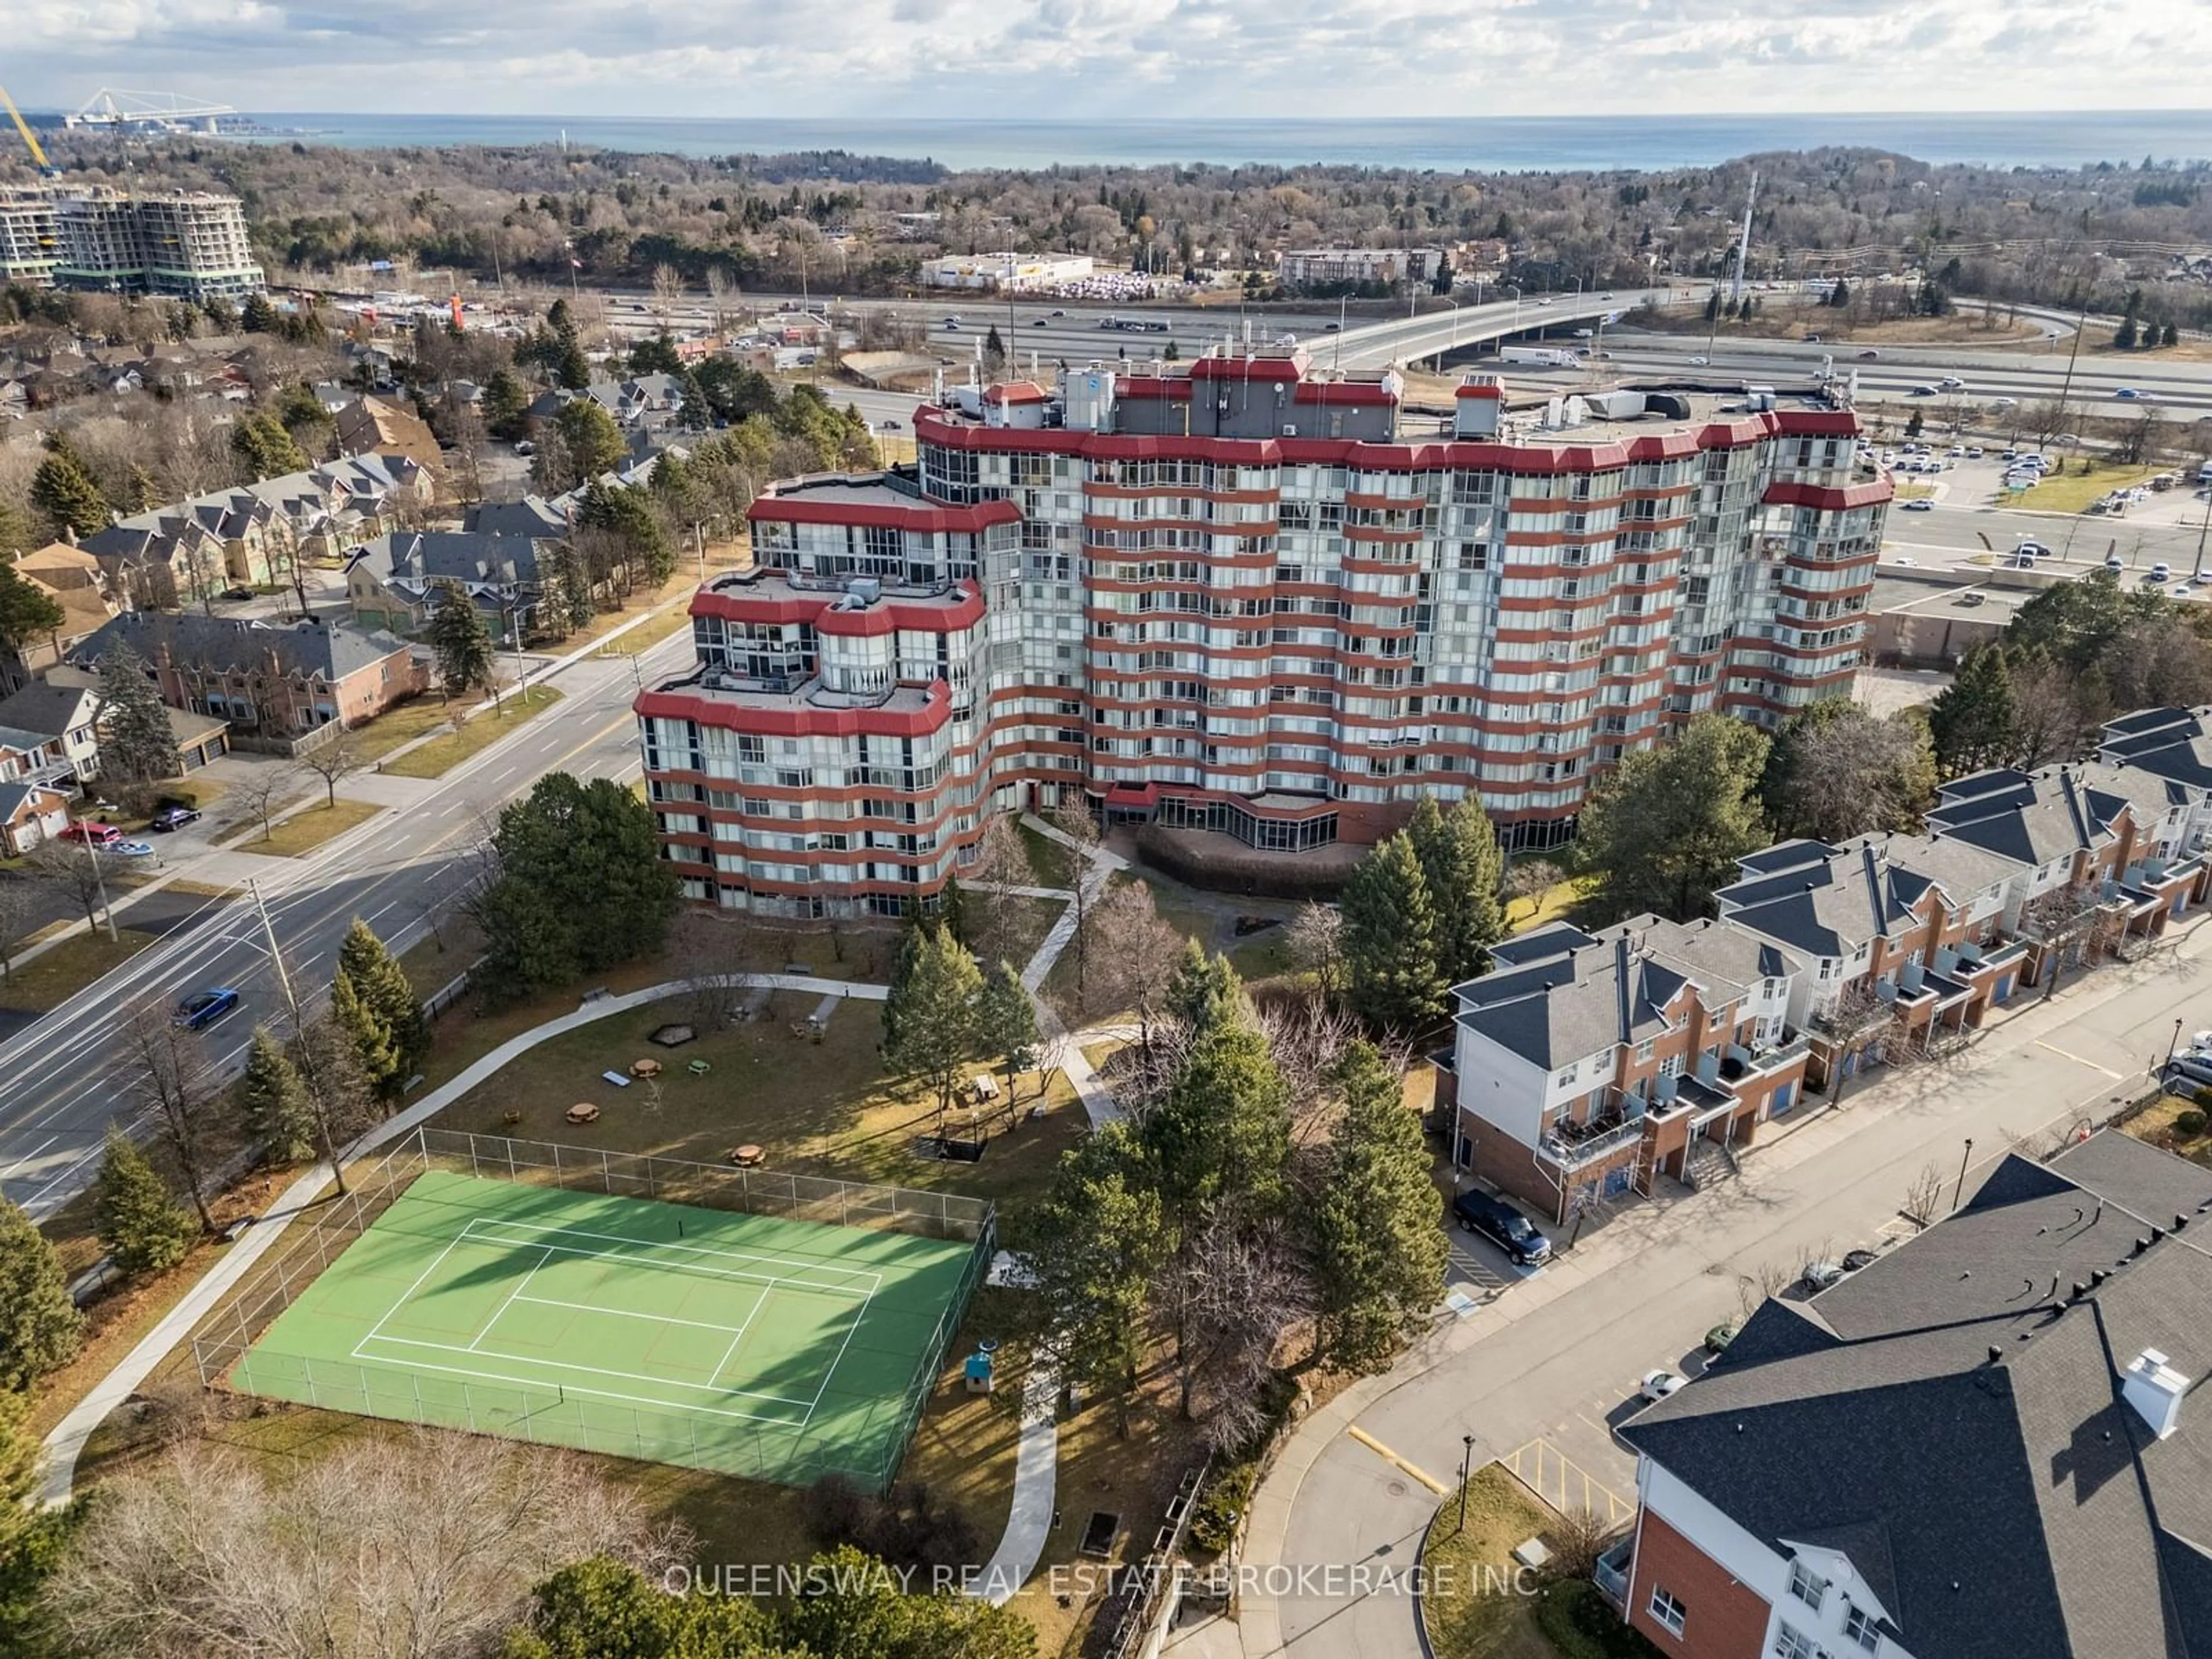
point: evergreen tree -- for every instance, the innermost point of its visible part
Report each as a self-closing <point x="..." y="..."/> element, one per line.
<point x="1392" y="974"/>
<point x="694" y="413"/>
<point x="1007" y="1018"/>
<point x="136" y="742"/>
<point x="380" y="1010"/>
<point x="932" y="1026"/>
<point x="573" y="582"/>
<point x="506" y="406"/>
<point x="1462" y="866"/>
<point x="40" y="1325"/>
<point x="1379" y="1255"/>
<point x="1219" y="1143"/>
<point x="952" y="909"/>
<point x="595" y="443"/>
<point x="1668" y="825"/>
<point x="1092" y="1243"/>
<point x="572" y="370"/>
<point x="27" y="611"/>
<point x="260" y="440"/>
<point x="142" y="1229"/>
<point x="629" y="515"/>
<point x="1205" y="992"/>
<point x="581" y="886"/>
<point x="273" y="1110"/>
<point x="257" y="316"/>
<point x="655" y="356"/>
<point x="1971" y="721"/>
<point x="63" y="489"/>
<point x="460" y="640"/>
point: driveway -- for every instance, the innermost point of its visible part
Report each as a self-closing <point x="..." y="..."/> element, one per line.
<point x="1556" y="1358"/>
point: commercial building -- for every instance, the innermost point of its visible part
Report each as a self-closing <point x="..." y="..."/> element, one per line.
<point x="1984" y="1445"/>
<point x="1020" y="272"/>
<point x="188" y="245"/>
<point x="1339" y="267"/>
<point x="1236" y="597"/>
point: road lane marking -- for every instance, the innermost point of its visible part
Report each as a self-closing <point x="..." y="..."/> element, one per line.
<point x="2077" y="1059"/>
<point x="1398" y="1462"/>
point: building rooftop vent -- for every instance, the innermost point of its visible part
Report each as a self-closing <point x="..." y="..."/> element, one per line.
<point x="2155" y="1389"/>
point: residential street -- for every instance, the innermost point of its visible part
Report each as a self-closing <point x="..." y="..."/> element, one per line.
<point x="63" y="1078"/>
<point x="1557" y="1354"/>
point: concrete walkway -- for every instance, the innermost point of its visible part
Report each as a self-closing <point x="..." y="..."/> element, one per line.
<point x="67" y="1441"/>
<point x="1035" y="1487"/>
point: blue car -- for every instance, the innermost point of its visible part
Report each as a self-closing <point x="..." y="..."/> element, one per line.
<point x="203" y="1008"/>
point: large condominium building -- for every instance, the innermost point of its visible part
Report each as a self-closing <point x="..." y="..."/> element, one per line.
<point x="30" y="243"/>
<point x="1247" y="598"/>
<point x="189" y="244"/>
<point x="1328" y="267"/>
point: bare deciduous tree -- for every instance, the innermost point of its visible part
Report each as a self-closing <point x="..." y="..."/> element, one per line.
<point x="713" y="943"/>
<point x="415" y="1548"/>
<point x="73" y="869"/>
<point x="19" y="904"/>
<point x="1578" y="1538"/>
<point x="1924" y="1194"/>
<point x="1527" y="881"/>
<point x="1314" y="940"/>
<point x="1308" y="1037"/>
<point x="1072" y="818"/>
<point x="1002" y="863"/>
<point x="1132" y="955"/>
<point x="1227" y="1298"/>
<point x="172" y="1079"/>
<point x="339" y="757"/>
<point x="261" y="789"/>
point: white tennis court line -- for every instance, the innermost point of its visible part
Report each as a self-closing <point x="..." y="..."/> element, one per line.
<point x="545" y="1257"/>
<point x="840" y="1359"/>
<point x="627" y="1313"/>
<point x="478" y="1375"/>
<point x="469" y="1231"/>
<point x="407" y="1294"/>
<point x="595" y="1370"/>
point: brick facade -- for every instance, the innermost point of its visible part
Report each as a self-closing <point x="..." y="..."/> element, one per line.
<point x="1725" y="1620"/>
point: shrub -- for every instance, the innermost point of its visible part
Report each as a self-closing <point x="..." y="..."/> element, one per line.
<point x="906" y="1527"/>
<point x="2203" y="1096"/>
<point x="2189" y="1125"/>
<point x="1213" y="1523"/>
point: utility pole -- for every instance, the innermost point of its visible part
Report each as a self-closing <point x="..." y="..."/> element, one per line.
<point x="100" y="884"/>
<point x="2066" y="386"/>
<point x="320" y="1107"/>
<point x="1743" y="246"/>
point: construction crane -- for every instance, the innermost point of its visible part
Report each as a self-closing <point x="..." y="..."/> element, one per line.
<point x="30" y="139"/>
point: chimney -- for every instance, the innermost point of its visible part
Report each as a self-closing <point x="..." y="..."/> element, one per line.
<point x="2154" y="1389"/>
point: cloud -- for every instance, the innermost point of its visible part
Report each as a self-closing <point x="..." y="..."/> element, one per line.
<point x="1137" y="59"/>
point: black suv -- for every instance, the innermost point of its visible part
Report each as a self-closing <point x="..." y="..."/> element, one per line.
<point x="1503" y="1226"/>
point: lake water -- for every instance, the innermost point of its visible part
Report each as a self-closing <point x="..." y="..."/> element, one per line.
<point x="1512" y="143"/>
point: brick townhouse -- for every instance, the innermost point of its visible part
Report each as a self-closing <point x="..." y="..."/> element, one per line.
<point x="280" y="681"/>
<point x="1588" y="1066"/>
<point x="1245" y="597"/>
<point x="1985" y="1445"/>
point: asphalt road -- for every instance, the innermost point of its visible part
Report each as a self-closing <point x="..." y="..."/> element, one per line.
<point x="1558" y="1355"/>
<point x="63" y="1079"/>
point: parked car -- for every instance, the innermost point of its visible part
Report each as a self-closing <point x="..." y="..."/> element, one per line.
<point x="236" y="593"/>
<point x="2115" y="563"/>
<point x="1503" y="1226"/>
<point x="1719" y="1338"/>
<point x="2033" y="549"/>
<point x="173" y="817"/>
<point x="1657" y="1385"/>
<point x="1920" y="504"/>
<point x="203" y="1008"/>
<point x="524" y="446"/>
<point x="2193" y="1064"/>
<point x="1856" y="1260"/>
<point x="1819" y="1275"/>
<point x="92" y="835"/>
<point x="132" y="850"/>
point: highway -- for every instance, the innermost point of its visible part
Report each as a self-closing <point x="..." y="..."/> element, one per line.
<point x="63" y="1079"/>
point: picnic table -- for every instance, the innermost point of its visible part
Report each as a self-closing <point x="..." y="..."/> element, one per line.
<point x="645" y="1068"/>
<point x="583" y="1112"/>
<point x="748" y="1156"/>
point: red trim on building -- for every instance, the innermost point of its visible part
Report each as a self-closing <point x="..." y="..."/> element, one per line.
<point x="1345" y="392"/>
<point x="923" y="515"/>
<point x="797" y="720"/>
<point x="1016" y="391"/>
<point x="1482" y="389"/>
<point x="945" y="616"/>
<point x="1830" y="500"/>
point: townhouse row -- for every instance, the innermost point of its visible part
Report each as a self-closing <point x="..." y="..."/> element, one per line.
<point x="1237" y="597"/>
<point x="1586" y="1066"/>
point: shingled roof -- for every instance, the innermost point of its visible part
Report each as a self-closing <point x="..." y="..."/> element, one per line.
<point x="1951" y="1419"/>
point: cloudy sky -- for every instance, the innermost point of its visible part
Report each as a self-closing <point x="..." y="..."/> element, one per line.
<point x="1116" y="58"/>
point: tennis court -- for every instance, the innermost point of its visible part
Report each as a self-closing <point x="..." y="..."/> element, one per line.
<point x="751" y="1344"/>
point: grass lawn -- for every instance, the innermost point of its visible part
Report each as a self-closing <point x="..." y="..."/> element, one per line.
<point x="2157" y="1123"/>
<point x="401" y="724"/>
<point x="1054" y="863"/>
<point x="2071" y="491"/>
<point x="1463" y="1622"/>
<point x="1549" y="906"/>
<point x="58" y="974"/>
<point x="441" y="755"/>
<point x="818" y="1108"/>
<point x="304" y="831"/>
<point x="643" y="637"/>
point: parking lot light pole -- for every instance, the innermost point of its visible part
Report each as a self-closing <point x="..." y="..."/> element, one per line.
<point x="1963" y="1159"/>
<point x="1466" y="1474"/>
<point x="2175" y="1042"/>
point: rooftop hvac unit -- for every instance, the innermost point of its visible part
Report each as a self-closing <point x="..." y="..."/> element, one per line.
<point x="866" y="589"/>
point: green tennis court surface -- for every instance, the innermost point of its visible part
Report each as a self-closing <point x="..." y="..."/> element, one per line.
<point x="782" y="1350"/>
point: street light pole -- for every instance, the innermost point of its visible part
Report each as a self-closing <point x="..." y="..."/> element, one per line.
<point x="1963" y="1158"/>
<point x="2174" y="1043"/>
<point x="1466" y="1474"/>
<point x="99" y="884"/>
